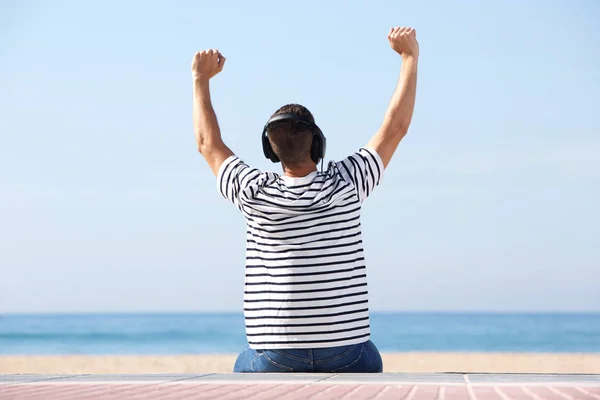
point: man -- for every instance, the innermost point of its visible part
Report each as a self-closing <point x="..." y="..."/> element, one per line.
<point x="305" y="299"/>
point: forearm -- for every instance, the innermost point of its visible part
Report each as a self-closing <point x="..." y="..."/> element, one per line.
<point x="400" y="110"/>
<point x="206" y="126"/>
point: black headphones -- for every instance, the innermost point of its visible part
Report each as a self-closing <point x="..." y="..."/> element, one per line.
<point x="317" y="150"/>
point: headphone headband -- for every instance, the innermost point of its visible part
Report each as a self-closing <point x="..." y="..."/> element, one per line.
<point x="317" y="151"/>
<point x="289" y="117"/>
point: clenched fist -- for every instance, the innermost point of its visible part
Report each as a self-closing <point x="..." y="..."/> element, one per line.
<point x="207" y="64"/>
<point x="404" y="41"/>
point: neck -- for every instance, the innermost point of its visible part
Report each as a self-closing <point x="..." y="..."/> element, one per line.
<point x="299" y="171"/>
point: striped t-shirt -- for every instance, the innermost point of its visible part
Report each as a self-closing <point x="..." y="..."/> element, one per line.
<point x="306" y="282"/>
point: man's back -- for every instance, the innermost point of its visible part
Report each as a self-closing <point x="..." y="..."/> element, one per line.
<point x="306" y="282"/>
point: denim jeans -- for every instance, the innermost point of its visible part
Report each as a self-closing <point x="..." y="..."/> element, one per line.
<point x="362" y="357"/>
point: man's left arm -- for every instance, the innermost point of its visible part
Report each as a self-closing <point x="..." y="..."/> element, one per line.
<point x="400" y="109"/>
<point x="207" y="64"/>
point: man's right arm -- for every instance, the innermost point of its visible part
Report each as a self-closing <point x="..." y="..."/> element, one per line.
<point x="400" y="110"/>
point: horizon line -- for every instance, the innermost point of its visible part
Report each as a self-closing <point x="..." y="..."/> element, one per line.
<point x="233" y="312"/>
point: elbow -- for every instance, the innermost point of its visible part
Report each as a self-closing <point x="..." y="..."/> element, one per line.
<point x="401" y="127"/>
<point x="398" y="131"/>
<point x="402" y="130"/>
<point x="402" y="124"/>
<point x="396" y="127"/>
<point x="203" y="150"/>
<point x="206" y="145"/>
<point x="201" y="145"/>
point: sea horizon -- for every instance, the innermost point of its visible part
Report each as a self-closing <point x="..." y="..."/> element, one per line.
<point x="172" y="333"/>
<point x="232" y="312"/>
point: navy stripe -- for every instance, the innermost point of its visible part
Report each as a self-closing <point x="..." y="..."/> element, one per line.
<point x="376" y="164"/>
<point x="305" y="184"/>
<point x="318" y="190"/>
<point x="225" y="171"/>
<point x="335" y="271"/>
<point x="309" y="207"/>
<point x="263" y="213"/>
<point x="347" y="253"/>
<point x="306" y="234"/>
<point x="322" y="264"/>
<point x="333" y="246"/>
<point x="349" y="278"/>
<point x="309" y="333"/>
<point x="338" y="190"/>
<point x="352" y="303"/>
<point x="306" y="291"/>
<point x="345" y="321"/>
<point x="342" y="296"/>
<point x="301" y="208"/>
<point x="313" y="341"/>
<point x="300" y="218"/>
<point x="299" y="228"/>
<point x="367" y="173"/>
<point x="343" y="164"/>
<point x="339" y="314"/>
<point x="303" y="244"/>
<point x="360" y="173"/>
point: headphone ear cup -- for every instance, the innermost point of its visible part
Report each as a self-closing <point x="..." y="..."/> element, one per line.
<point x="323" y="146"/>
<point x="268" y="149"/>
<point x="317" y="151"/>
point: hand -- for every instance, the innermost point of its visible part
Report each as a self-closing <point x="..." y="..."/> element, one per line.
<point x="404" y="41"/>
<point x="207" y="64"/>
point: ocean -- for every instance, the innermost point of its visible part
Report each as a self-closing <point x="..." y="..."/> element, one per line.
<point x="169" y="334"/>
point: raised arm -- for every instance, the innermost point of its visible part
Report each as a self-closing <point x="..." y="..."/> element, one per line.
<point x="400" y="110"/>
<point x="205" y="65"/>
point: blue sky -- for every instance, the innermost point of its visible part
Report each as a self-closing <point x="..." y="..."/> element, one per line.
<point x="490" y="204"/>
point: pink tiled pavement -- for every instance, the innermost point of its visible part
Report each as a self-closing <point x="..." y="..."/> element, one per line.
<point x="287" y="392"/>
<point x="359" y="387"/>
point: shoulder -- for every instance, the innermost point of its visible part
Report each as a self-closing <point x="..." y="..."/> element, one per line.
<point x="365" y="155"/>
<point x="234" y="168"/>
<point x="365" y="158"/>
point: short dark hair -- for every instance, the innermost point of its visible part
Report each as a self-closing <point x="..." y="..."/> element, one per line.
<point x="291" y="141"/>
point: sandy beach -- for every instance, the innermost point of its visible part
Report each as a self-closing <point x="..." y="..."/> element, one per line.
<point x="393" y="362"/>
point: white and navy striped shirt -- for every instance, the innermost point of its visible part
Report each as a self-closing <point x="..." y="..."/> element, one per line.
<point x="306" y="282"/>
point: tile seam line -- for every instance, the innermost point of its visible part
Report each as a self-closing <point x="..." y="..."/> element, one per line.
<point x="41" y="380"/>
<point x="325" y="378"/>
